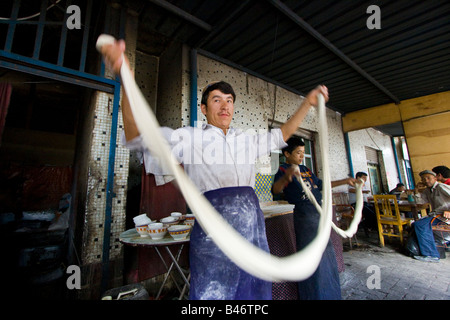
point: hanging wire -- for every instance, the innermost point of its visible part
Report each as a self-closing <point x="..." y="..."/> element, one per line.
<point x="34" y="15"/>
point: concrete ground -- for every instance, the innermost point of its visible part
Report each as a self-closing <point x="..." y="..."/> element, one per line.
<point x="376" y="273"/>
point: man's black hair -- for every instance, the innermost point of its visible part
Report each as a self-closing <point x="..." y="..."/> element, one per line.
<point x="222" y="86"/>
<point x="360" y="174"/>
<point x="293" y="143"/>
<point x="445" y="171"/>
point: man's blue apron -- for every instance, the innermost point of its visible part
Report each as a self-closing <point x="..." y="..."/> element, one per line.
<point x="213" y="275"/>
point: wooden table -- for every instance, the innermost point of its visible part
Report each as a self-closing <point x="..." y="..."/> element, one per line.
<point x="415" y="208"/>
<point x="406" y="206"/>
<point x="276" y="208"/>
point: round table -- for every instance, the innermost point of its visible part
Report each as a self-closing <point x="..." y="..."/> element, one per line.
<point x="132" y="238"/>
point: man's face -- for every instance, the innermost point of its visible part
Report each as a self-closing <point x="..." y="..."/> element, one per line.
<point x="219" y="109"/>
<point x="428" y="179"/>
<point x="297" y="155"/>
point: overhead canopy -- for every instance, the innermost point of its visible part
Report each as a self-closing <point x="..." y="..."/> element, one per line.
<point x="299" y="44"/>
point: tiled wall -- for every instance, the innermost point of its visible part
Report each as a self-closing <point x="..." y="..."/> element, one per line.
<point x="170" y="96"/>
<point x="257" y="103"/>
<point x="97" y="180"/>
<point x="93" y="234"/>
<point x="127" y="170"/>
<point x="146" y="75"/>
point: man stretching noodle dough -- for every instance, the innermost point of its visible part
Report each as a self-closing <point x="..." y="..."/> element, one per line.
<point x="220" y="160"/>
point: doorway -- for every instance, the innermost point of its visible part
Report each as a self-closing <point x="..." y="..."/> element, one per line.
<point x="375" y="178"/>
<point x="38" y="151"/>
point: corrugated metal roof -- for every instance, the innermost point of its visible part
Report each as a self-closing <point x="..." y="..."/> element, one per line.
<point x="408" y="57"/>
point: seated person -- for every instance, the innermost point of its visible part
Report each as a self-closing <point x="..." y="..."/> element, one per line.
<point x="442" y="174"/>
<point x="398" y="190"/>
<point x="438" y="195"/>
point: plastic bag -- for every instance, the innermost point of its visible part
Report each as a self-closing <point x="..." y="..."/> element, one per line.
<point x="412" y="246"/>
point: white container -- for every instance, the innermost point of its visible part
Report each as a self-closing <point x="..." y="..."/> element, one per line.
<point x="179" y="232"/>
<point x="142" y="220"/>
<point x="176" y="214"/>
<point x="142" y="230"/>
<point x="157" y="230"/>
<point x="168" y="221"/>
<point x="190" y="222"/>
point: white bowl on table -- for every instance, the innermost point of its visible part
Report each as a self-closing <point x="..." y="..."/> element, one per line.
<point x="190" y="222"/>
<point x="169" y="221"/>
<point x="141" y="220"/>
<point x="179" y="232"/>
<point x="142" y="230"/>
<point x="157" y="230"/>
<point x="176" y="214"/>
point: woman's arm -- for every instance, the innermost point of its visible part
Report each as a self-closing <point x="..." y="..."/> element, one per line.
<point x="290" y="126"/>
<point x="285" y="179"/>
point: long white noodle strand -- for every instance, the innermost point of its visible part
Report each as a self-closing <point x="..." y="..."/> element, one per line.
<point x="353" y="227"/>
<point x="248" y="257"/>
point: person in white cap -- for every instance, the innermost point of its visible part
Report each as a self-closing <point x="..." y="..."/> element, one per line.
<point x="438" y="195"/>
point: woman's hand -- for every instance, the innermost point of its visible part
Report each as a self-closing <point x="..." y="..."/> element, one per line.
<point x="352" y="181"/>
<point x="279" y="185"/>
<point x="290" y="127"/>
<point x="312" y="95"/>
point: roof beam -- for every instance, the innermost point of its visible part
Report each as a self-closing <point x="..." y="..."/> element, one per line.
<point x="217" y="28"/>
<point x="313" y="32"/>
<point x="183" y="14"/>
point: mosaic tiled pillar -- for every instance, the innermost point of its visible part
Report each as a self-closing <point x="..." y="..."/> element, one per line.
<point x="95" y="209"/>
<point x="93" y="241"/>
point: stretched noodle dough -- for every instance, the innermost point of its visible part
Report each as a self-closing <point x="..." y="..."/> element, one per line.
<point x="251" y="259"/>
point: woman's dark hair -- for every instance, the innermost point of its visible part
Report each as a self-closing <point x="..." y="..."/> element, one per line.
<point x="293" y="143"/>
<point x="222" y="86"/>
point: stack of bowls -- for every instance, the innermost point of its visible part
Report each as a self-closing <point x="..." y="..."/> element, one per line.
<point x="141" y="222"/>
<point x="190" y="220"/>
